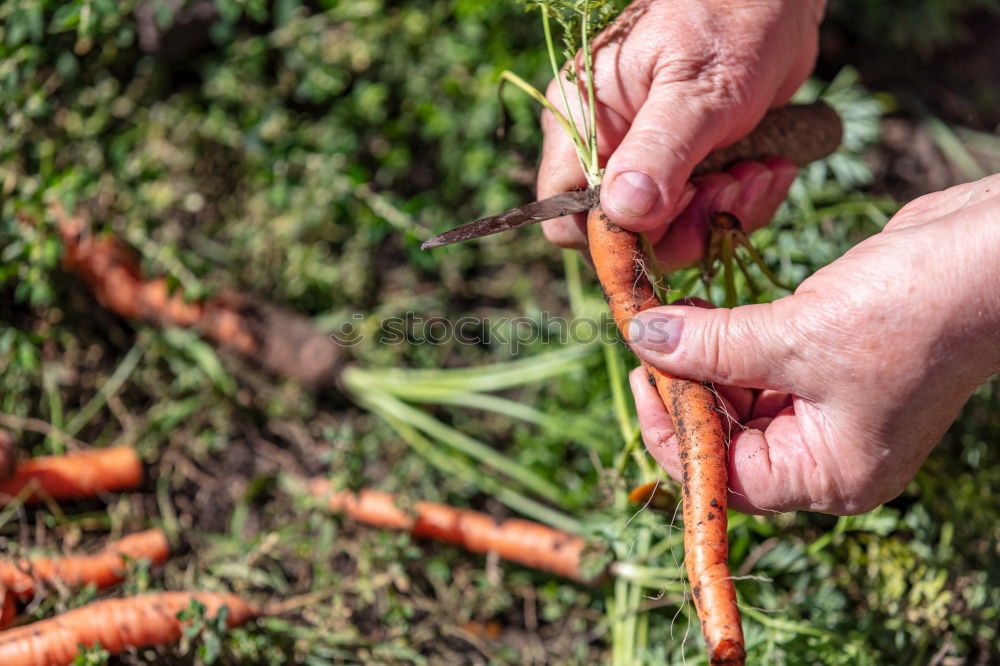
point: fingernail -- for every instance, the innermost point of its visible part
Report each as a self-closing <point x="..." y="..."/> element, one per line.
<point x="782" y="179"/>
<point x="756" y="189"/>
<point x="655" y="331"/>
<point x="633" y="193"/>
<point x="684" y="200"/>
<point x="726" y="198"/>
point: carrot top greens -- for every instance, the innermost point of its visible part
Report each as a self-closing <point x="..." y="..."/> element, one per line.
<point x="579" y="22"/>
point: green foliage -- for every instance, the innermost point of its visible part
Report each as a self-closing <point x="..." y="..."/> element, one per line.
<point x="95" y="655"/>
<point x="209" y="631"/>
<point x="574" y="31"/>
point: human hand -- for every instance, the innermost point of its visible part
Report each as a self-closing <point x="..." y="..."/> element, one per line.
<point x="863" y="368"/>
<point x="674" y="80"/>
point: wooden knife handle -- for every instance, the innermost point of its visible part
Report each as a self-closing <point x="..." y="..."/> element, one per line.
<point x="801" y="132"/>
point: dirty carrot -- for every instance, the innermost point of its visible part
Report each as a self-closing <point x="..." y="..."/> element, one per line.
<point x="620" y="262"/>
<point x="102" y="569"/>
<point x="140" y="621"/>
<point x="74" y="475"/>
<point x="529" y="543"/>
<point x="284" y="342"/>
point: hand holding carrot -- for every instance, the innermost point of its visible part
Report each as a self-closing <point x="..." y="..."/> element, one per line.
<point x="861" y="370"/>
<point x="674" y="80"/>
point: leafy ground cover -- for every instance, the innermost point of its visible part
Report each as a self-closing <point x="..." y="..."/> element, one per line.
<point x="301" y="152"/>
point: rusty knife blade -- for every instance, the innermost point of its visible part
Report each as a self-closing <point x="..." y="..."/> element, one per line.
<point x="567" y="203"/>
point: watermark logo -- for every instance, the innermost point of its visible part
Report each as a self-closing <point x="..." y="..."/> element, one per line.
<point x="349" y="334"/>
<point x="515" y="333"/>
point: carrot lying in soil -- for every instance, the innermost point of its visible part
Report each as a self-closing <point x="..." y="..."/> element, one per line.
<point x="74" y="475"/>
<point x="653" y="495"/>
<point x="529" y="543"/>
<point x="102" y="569"/>
<point x="119" y="624"/>
<point x="284" y="342"/>
<point x="620" y="263"/>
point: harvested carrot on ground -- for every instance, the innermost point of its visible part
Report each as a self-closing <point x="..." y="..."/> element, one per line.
<point x="653" y="495"/>
<point x="102" y="569"/>
<point x="284" y="342"/>
<point x="529" y="543"/>
<point x="119" y="624"/>
<point x="74" y="475"/>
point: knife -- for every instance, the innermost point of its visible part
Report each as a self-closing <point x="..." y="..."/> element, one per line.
<point x="801" y="132"/>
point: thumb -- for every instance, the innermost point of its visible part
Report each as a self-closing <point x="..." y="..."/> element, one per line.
<point x="754" y="346"/>
<point x="673" y="131"/>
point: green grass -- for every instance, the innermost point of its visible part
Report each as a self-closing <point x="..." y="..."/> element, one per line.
<point x="302" y="155"/>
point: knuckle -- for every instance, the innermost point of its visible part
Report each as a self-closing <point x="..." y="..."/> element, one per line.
<point x="984" y="189"/>
<point x="864" y="493"/>
<point x="666" y="144"/>
<point x="717" y="343"/>
<point x="737" y="340"/>
<point x="919" y="206"/>
<point x="873" y="478"/>
<point x="713" y="77"/>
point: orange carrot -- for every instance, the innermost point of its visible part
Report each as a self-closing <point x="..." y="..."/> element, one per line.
<point x="532" y="544"/>
<point x="619" y="259"/>
<point x="74" y="475"/>
<point x="483" y="630"/>
<point x="284" y="342"/>
<point x="144" y="620"/>
<point x="653" y="495"/>
<point x="103" y="569"/>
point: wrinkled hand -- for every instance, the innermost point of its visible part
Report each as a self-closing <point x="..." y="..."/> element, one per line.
<point x="863" y="368"/>
<point x="674" y="80"/>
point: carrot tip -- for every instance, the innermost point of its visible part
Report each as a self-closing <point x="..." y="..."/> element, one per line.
<point x="728" y="653"/>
